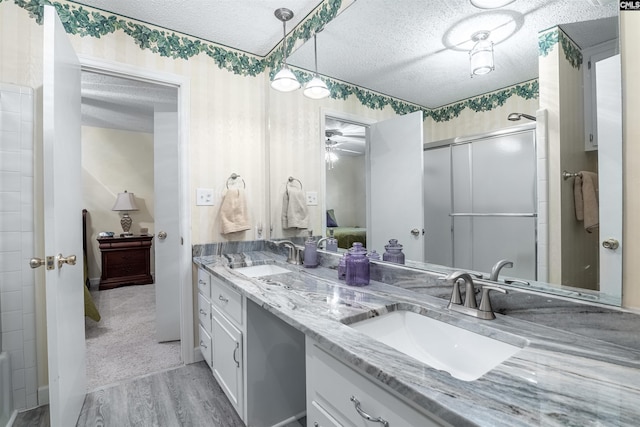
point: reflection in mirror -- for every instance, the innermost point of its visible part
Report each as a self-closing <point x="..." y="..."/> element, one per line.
<point x="568" y="132"/>
<point x="345" y="196"/>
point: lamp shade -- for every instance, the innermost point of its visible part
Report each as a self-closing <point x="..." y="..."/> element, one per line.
<point x="481" y="56"/>
<point x="316" y="89"/>
<point x="285" y="81"/>
<point x="125" y="202"/>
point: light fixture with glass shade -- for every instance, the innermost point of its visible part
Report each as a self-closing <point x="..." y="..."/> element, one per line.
<point x="284" y="80"/>
<point x="316" y="88"/>
<point x="125" y="203"/>
<point x="481" y="55"/>
<point x="490" y="4"/>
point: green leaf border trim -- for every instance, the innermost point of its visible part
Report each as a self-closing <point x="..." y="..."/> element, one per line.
<point x="550" y="38"/>
<point x="82" y="21"/>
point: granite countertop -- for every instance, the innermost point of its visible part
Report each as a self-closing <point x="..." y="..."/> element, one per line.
<point x="559" y="378"/>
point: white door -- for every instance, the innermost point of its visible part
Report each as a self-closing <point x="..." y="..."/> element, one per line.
<point x="63" y="223"/>
<point x="395" y="185"/>
<point x="167" y="240"/>
<point x="609" y="104"/>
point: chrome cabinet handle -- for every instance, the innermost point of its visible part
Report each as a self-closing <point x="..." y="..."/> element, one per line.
<point x="366" y="416"/>
<point x="202" y="282"/>
<point x="202" y="344"/>
<point x="235" y="350"/>
<point x="204" y="313"/>
<point x="223" y="299"/>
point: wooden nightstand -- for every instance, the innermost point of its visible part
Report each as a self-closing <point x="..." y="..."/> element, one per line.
<point x="125" y="261"/>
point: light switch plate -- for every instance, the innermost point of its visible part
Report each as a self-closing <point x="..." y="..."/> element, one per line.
<point x="312" y="198"/>
<point x="204" y="197"/>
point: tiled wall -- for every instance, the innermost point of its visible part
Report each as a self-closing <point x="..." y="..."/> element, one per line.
<point x="17" y="286"/>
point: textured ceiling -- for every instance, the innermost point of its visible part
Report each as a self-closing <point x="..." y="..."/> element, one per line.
<point x="415" y="50"/>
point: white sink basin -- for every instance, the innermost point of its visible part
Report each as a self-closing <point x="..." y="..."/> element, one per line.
<point x="261" y="270"/>
<point x="465" y="355"/>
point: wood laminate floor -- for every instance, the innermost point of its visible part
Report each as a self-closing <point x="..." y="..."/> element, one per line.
<point x="187" y="396"/>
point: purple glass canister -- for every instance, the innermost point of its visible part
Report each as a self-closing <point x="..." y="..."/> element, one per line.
<point x="393" y="252"/>
<point x="357" y="266"/>
<point x="342" y="267"/>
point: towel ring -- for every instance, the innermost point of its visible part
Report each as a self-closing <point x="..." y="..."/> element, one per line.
<point x="235" y="176"/>
<point x="291" y="179"/>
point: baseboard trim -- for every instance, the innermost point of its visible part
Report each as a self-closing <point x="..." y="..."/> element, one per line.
<point x="43" y="395"/>
<point x="94" y="281"/>
<point x="197" y="355"/>
<point x="290" y="419"/>
<point x="12" y="418"/>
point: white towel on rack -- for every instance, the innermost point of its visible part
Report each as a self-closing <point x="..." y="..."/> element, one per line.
<point x="294" y="209"/>
<point x="234" y="216"/>
<point x="585" y="192"/>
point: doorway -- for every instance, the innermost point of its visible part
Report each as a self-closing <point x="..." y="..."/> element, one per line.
<point x="119" y="106"/>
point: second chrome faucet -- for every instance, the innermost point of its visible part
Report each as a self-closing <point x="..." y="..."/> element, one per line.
<point x="470" y="306"/>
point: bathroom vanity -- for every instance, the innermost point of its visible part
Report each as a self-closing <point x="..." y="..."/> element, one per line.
<point x="554" y="377"/>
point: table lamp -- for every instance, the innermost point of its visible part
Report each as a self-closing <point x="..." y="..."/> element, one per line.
<point x="125" y="203"/>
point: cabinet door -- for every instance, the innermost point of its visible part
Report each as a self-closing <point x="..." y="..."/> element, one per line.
<point x="227" y="358"/>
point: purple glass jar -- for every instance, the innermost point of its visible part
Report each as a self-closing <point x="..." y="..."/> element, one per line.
<point x="357" y="266"/>
<point x="393" y="252"/>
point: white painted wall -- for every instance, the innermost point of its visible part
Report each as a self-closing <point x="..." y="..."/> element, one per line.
<point x="17" y="282"/>
<point x="114" y="161"/>
<point x="346" y="191"/>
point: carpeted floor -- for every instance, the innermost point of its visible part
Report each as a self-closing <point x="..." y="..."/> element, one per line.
<point x="122" y="345"/>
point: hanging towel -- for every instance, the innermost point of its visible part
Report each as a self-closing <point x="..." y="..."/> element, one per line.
<point x="233" y="211"/>
<point x="294" y="209"/>
<point x="585" y="192"/>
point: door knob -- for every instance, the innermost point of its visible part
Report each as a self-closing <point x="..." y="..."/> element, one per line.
<point x="37" y="262"/>
<point x="71" y="260"/>
<point x="610" y="244"/>
<point x="162" y="235"/>
<point x="415" y="232"/>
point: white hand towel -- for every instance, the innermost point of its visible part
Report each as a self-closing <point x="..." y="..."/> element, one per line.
<point x="234" y="216"/>
<point x="585" y="192"/>
<point x="294" y="209"/>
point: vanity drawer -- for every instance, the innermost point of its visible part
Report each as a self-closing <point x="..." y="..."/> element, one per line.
<point x="332" y="384"/>
<point x="204" y="283"/>
<point x="204" y="312"/>
<point x="318" y="417"/>
<point x="225" y="299"/>
<point x="205" y="345"/>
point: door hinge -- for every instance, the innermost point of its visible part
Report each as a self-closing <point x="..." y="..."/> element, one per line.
<point x="181" y="240"/>
<point x="589" y="64"/>
<point x="590" y="137"/>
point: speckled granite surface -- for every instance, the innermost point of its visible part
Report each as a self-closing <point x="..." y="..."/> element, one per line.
<point x="580" y="368"/>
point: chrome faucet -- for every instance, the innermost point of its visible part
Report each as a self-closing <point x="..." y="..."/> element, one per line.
<point x="324" y="239"/>
<point x="294" y="256"/>
<point x="495" y="271"/>
<point x="470" y="307"/>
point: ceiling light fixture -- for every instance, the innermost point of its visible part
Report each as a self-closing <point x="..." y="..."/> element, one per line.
<point x="284" y="80"/>
<point x="481" y="55"/>
<point x="490" y="4"/>
<point x="316" y="88"/>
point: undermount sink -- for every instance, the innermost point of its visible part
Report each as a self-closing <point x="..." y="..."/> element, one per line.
<point x="261" y="270"/>
<point x="464" y="354"/>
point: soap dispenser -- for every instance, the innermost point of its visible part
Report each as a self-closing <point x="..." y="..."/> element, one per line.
<point x="310" y="252"/>
<point x="331" y="243"/>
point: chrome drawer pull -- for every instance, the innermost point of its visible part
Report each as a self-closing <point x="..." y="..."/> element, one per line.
<point x="202" y="282"/>
<point x="366" y="416"/>
<point x="202" y="344"/>
<point x="204" y="313"/>
<point x="235" y="350"/>
<point x="223" y="299"/>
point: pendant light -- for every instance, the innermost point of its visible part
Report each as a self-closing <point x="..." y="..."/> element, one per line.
<point x="316" y="88"/>
<point x="481" y="55"/>
<point x="284" y="80"/>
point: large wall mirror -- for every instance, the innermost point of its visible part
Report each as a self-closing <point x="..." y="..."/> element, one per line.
<point x="552" y="269"/>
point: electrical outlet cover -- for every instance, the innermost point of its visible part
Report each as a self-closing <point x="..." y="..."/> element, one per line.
<point x="312" y="198"/>
<point x="204" y="197"/>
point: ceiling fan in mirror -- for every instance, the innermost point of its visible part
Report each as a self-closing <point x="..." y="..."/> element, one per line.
<point x="333" y="147"/>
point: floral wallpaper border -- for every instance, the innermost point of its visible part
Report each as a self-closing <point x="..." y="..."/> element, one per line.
<point x="82" y="21"/>
<point x="554" y="36"/>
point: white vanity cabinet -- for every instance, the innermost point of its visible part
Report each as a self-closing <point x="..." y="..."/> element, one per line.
<point x="227" y="358"/>
<point x="337" y="395"/>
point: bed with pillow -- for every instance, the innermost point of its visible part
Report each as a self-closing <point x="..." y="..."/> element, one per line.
<point x="345" y="235"/>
